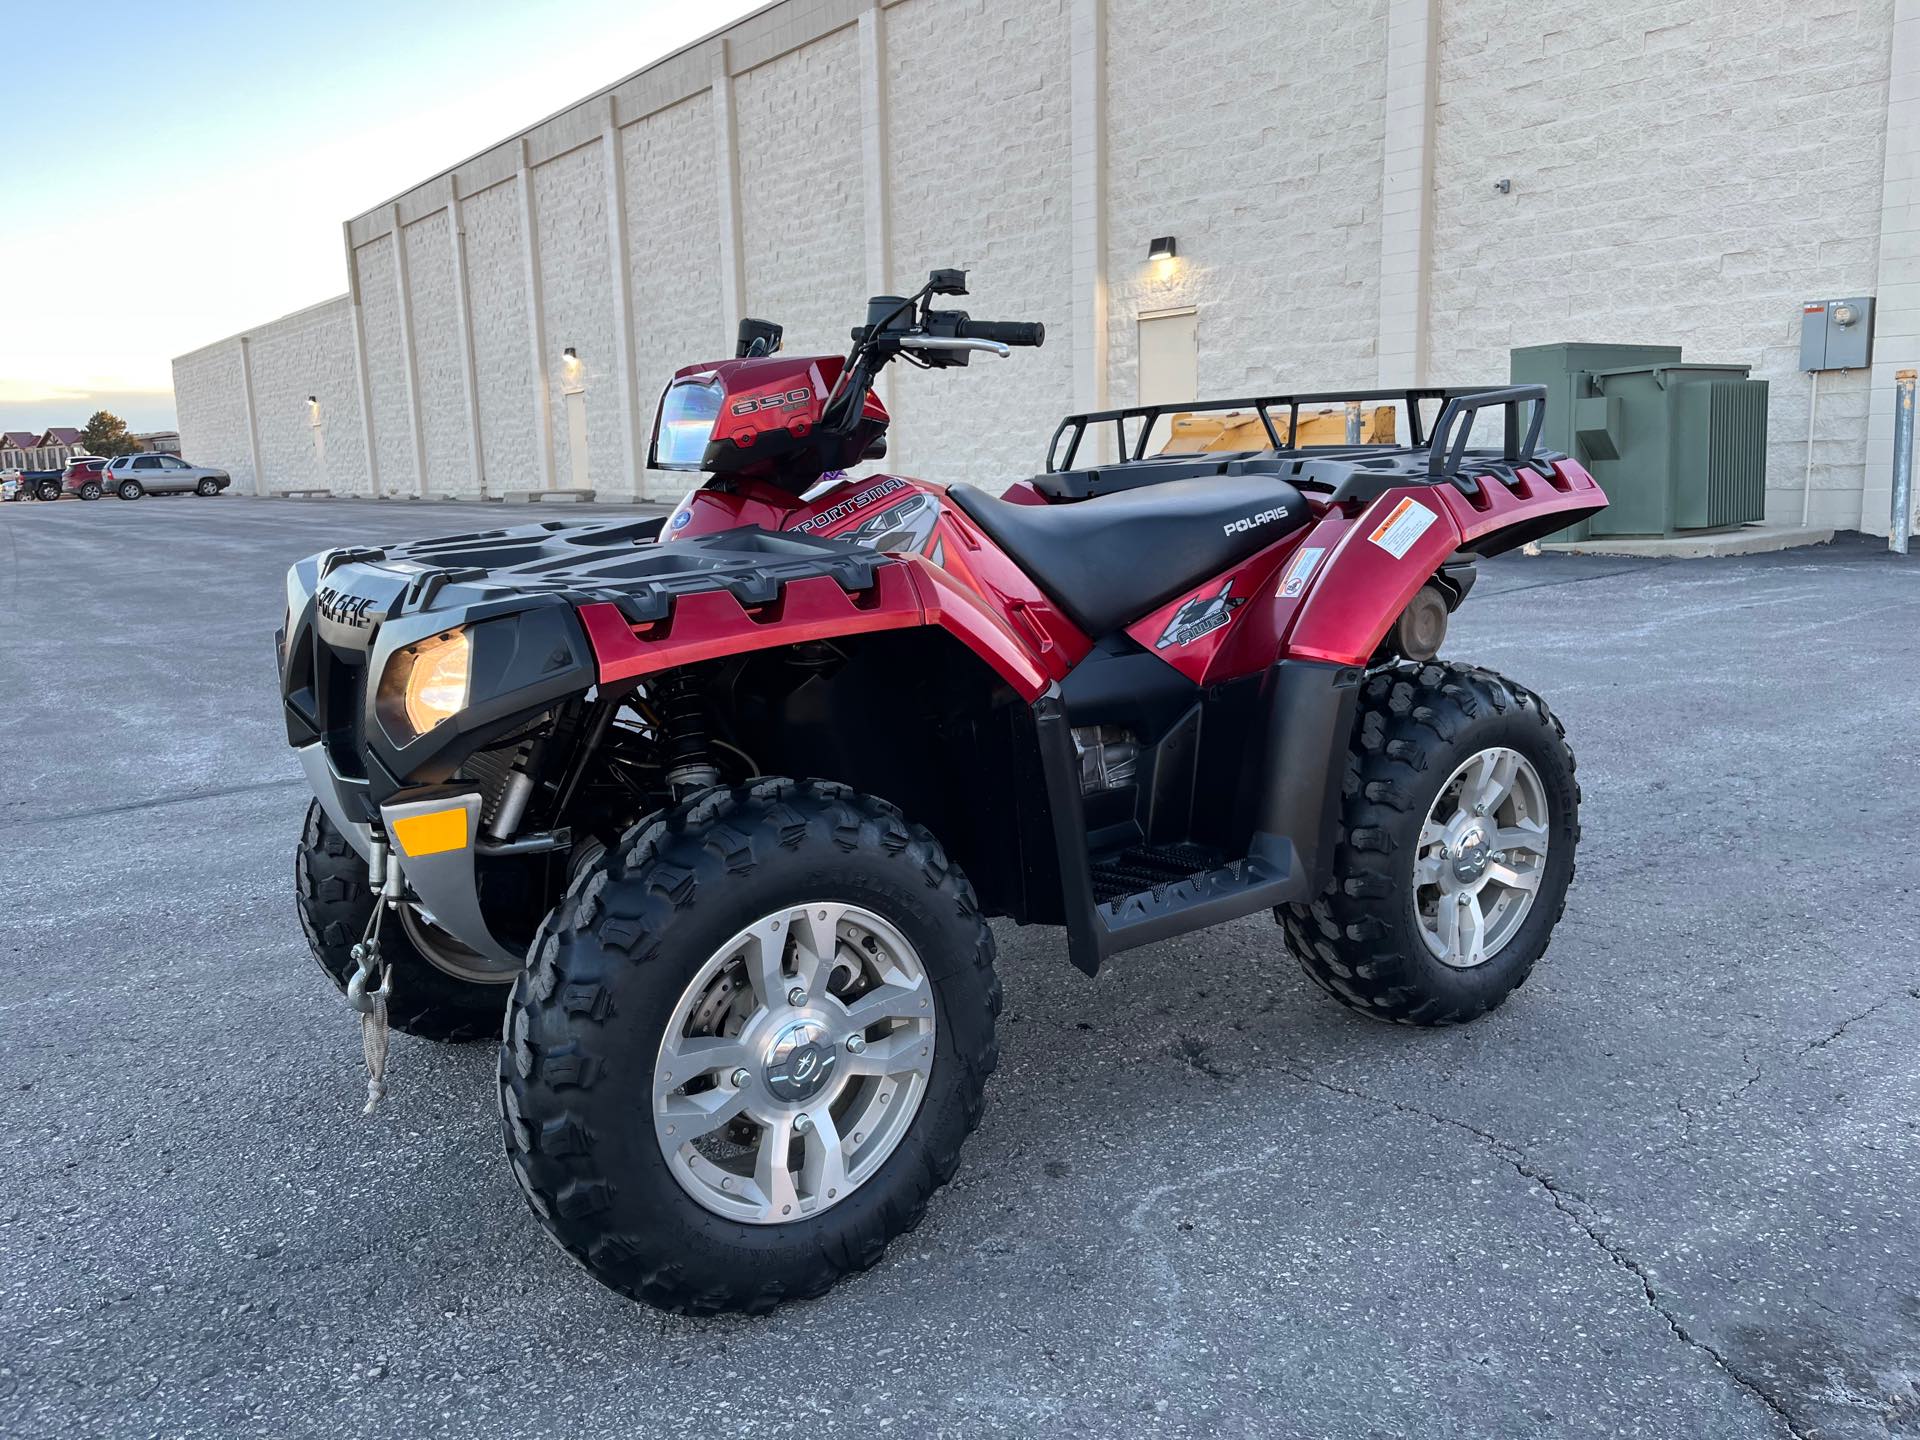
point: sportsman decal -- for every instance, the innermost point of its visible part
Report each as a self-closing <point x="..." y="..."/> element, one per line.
<point x="851" y="505"/>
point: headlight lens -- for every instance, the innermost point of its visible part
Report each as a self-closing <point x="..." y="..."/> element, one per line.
<point x="430" y="682"/>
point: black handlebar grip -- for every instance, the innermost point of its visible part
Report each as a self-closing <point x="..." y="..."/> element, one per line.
<point x="1007" y="332"/>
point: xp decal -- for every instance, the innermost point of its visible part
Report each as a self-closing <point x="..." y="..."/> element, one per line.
<point x="904" y="527"/>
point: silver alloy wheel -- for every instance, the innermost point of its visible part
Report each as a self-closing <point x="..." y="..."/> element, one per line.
<point x="447" y="954"/>
<point x="794" y="1063"/>
<point x="1481" y="857"/>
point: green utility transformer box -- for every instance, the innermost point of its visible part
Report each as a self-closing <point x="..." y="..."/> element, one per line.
<point x="1675" y="446"/>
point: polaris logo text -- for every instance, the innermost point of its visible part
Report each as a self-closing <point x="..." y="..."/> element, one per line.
<point x="1250" y="522"/>
<point x="343" y="609"/>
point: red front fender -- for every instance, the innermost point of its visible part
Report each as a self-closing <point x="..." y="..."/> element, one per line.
<point x="710" y="624"/>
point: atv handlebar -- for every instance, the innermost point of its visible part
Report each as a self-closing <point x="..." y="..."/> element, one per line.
<point x="1005" y="332"/>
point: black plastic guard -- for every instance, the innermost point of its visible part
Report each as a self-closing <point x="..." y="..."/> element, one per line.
<point x="1308" y="721"/>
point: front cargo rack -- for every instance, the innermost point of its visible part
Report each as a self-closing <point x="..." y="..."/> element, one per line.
<point x="1355" y="470"/>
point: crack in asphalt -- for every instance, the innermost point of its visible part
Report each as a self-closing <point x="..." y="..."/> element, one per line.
<point x="1577" y="1209"/>
<point x="154" y="802"/>
<point x="1807" y="1048"/>
<point x="1910" y="993"/>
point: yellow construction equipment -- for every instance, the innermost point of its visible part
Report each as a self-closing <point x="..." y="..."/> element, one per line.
<point x="1195" y="433"/>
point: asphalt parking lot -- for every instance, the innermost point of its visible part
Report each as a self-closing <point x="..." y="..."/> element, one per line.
<point x="1669" y="1190"/>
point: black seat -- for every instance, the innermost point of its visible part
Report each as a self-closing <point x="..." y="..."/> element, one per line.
<point x="1109" y="560"/>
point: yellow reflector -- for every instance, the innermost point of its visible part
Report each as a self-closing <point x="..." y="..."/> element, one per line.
<point x="432" y="834"/>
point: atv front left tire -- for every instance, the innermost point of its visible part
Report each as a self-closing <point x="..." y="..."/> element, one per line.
<point x="750" y="1044"/>
<point x="1459" y="817"/>
<point x="335" y="901"/>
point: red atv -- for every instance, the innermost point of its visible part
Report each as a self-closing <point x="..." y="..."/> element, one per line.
<point x="750" y="1015"/>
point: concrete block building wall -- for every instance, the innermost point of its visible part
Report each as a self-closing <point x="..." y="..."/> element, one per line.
<point x="437" y="355"/>
<point x="1684" y="172"/>
<point x="1681" y="175"/>
<point x="981" y="177"/>
<point x="569" y="205"/>
<point x="210" y="398"/>
<point x="309" y="353"/>
<point x="1265" y="168"/>
<point x="673" y="233"/>
<point x="302" y="381"/>
<point x="798" y="121"/>
<point x="502" y="356"/>
<point x="377" y="286"/>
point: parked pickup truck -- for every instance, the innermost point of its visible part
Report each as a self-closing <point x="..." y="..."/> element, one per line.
<point x="30" y="485"/>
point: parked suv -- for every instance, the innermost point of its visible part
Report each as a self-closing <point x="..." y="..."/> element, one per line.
<point x="131" y="476"/>
<point x="84" y="477"/>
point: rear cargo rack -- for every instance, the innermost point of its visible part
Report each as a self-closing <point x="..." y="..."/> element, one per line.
<point x="1352" y="471"/>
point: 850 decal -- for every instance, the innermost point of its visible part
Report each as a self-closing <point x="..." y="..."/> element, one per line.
<point x="787" y="400"/>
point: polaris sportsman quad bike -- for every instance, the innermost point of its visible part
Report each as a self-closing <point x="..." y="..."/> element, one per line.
<point x="563" y="770"/>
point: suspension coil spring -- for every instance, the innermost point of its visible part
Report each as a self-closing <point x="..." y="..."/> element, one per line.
<point x="683" y="734"/>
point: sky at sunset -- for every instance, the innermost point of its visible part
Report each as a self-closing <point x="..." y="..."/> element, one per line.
<point x="176" y="173"/>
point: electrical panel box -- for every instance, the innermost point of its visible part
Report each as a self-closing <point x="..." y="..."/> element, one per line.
<point x="1836" y="334"/>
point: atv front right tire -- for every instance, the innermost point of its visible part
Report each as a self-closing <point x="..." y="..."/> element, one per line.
<point x="750" y="1044"/>
<point x="335" y="901"/>
<point x="1459" y="817"/>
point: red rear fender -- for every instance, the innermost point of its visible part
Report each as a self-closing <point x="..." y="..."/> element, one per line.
<point x="1379" y="560"/>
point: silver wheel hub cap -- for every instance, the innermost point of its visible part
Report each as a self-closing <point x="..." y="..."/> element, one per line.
<point x="1481" y="857"/>
<point x="800" y="1061"/>
<point x="794" y="1063"/>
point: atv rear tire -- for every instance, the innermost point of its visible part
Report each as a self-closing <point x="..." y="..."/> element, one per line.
<point x="335" y="901"/>
<point x="1420" y="732"/>
<point x="625" y="967"/>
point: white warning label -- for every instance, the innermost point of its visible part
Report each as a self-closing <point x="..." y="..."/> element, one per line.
<point x="1298" y="573"/>
<point x="1405" y="523"/>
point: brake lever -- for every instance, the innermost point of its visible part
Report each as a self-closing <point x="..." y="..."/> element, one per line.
<point x="935" y="342"/>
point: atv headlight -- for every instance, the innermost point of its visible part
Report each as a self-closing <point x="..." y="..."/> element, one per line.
<point x="426" y="684"/>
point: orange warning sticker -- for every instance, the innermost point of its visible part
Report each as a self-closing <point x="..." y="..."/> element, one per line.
<point x="1405" y="523"/>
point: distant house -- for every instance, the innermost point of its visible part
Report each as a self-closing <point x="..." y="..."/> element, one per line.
<point x="39" y="450"/>
<point x="160" y="442"/>
<point x="14" y="447"/>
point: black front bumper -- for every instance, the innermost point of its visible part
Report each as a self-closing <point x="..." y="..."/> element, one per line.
<point x="349" y="614"/>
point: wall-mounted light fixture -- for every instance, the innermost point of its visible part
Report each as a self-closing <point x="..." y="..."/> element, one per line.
<point x="570" y="355"/>
<point x="1162" y="248"/>
<point x="313" y="399"/>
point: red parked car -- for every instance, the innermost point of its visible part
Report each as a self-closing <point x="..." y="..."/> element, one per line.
<point x="84" y="477"/>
